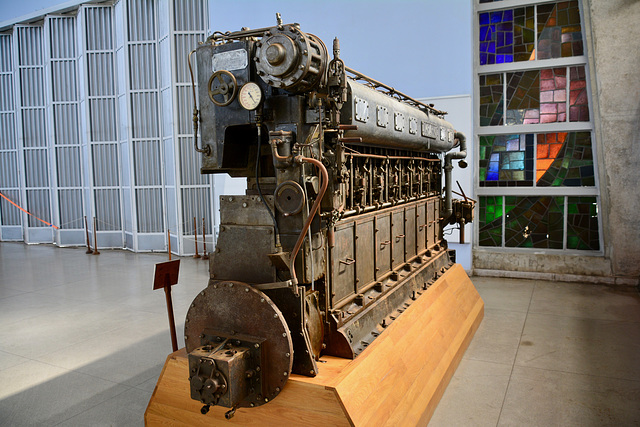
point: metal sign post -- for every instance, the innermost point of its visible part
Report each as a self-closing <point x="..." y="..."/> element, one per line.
<point x="166" y="275"/>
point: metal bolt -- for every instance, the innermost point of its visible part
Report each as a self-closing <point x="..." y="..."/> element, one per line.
<point x="244" y="205"/>
<point x="275" y="315"/>
<point x="262" y="300"/>
<point x="231" y="285"/>
<point x="312" y="372"/>
<point x="277" y="388"/>
<point x="284" y="334"/>
<point x="288" y="354"/>
<point x="266" y="399"/>
<point x="285" y="374"/>
<point x="252" y="404"/>
<point x="246" y="289"/>
<point x="257" y="368"/>
<point x="256" y="345"/>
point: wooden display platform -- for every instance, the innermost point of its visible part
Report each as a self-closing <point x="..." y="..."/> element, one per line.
<point x="398" y="380"/>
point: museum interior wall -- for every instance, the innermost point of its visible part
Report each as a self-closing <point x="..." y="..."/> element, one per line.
<point x="96" y="122"/>
<point x="556" y="138"/>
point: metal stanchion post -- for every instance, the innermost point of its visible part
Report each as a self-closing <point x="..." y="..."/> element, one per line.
<point x="204" y="242"/>
<point x="169" y="242"/>
<point x="195" y="236"/>
<point x="86" y="232"/>
<point x="95" y="237"/>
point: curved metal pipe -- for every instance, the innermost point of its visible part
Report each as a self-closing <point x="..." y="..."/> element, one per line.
<point x="312" y="212"/>
<point x="448" y="167"/>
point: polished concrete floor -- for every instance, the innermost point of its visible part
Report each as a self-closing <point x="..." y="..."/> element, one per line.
<point x="83" y="339"/>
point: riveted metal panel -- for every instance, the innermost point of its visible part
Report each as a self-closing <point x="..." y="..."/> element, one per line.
<point x="398" y="238"/>
<point x="422" y="224"/>
<point x="383" y="244"/>
<point x="365" y="252"/>
<point x="343" y="263"/>
<point x="410" y="231"/>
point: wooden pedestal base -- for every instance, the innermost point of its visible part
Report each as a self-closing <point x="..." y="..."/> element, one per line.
<point x="398" y="380"/>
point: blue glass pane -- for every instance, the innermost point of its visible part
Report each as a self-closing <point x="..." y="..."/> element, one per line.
<point x="483" y="58"/>
<point x="496" y="17"/>
<point x="492" y="176"/>
<point x="495" y="157"/>
<point x="484" y="18"/>
<point x="508" y="15"/>
<point x="483" y="33"/>
<point x="499" y="59"/>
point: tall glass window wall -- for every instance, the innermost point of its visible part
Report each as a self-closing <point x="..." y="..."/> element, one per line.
<point x="536" y="175"/>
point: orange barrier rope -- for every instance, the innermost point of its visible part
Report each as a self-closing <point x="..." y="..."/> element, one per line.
<point x="27" y="212"/>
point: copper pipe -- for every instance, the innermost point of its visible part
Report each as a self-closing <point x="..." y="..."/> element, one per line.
<point x="204" y="242"/>
<point x="312" y="213"/>
<point x="86" y="232"/>
<point x="95" y="237"/>
<point x="195" y="235"/>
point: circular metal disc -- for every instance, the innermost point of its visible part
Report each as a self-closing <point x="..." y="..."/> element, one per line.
<point x="289" y="198"/>
<point x="237" y="308"/>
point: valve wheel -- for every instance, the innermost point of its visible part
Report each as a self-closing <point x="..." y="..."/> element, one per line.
<point x="226" y="89"/>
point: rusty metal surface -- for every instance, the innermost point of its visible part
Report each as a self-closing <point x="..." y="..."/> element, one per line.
<point x="241" y="254"/>
<point x="234" y="308"/>
<point x="336" y="265"/>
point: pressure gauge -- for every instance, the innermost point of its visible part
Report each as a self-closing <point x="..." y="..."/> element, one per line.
<point x="250" y="96"/>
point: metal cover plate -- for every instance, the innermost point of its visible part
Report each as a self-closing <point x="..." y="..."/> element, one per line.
<point x="230" y="60"/>
<point x="241" y="254"/>
<point x="237" y="308"/>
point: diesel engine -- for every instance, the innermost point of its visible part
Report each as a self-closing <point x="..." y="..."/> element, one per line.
<point x="341" y="225"/>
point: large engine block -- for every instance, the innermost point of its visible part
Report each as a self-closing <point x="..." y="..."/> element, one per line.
<point x="341" y="226"/>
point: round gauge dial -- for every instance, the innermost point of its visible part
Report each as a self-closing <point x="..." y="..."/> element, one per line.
<point x="250" y="96"/>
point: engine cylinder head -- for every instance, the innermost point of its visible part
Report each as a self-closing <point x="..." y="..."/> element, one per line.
<point x="290" y="59"/>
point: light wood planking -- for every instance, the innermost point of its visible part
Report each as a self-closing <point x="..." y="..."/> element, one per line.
<point x="397" y="380"/>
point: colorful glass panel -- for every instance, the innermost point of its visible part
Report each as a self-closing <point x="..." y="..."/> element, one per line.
<point x="565" y="159"/>
<point x="507" y="35"/>
<point x="537" y="96"/>
<point x="559" y="30"/>
<point x="491" y="100"/>
<point x="534" y="222"/>
<point x="578" y="98"/>
<point x="506" y="160"/>
<point x="490" y="221"/>
<point x="582" y="223"/>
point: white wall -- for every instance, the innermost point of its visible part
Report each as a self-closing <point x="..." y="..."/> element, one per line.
<point x="459" y="109"/>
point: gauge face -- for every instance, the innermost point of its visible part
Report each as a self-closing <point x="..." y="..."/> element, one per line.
<point x="250" y="96"/>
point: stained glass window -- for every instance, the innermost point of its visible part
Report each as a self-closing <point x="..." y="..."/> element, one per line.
<point x="565" y="159"/>
<point x="579" y="100"/>
<point x="506" y="160"/>
<point x="582" y="223"/>
<point x="491" y="100"/>
<point x="537" y="85"/>
<point x="559" y="30"/>
<point x="534" y="96"/>
<point x="562" y="159"/>
<point x="491" y="221"/>
<point x="539" y="222"/>
<point x="507" y="35"/>
<point x="537" y="96"/>
<point x="510" y="35"/>
<point x="534" y="222"/>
